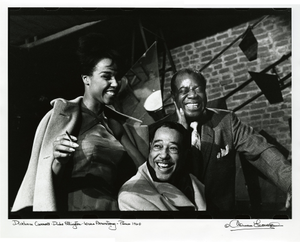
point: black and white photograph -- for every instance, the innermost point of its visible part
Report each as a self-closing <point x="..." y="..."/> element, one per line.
<point x="121" y="117"/>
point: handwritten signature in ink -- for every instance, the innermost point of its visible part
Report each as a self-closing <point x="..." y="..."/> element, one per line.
<point x="236" y="225"/>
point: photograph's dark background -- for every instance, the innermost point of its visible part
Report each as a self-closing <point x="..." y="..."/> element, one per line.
<point x="40" y="70"/>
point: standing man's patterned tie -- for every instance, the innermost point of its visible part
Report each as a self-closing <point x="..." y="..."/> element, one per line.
<point x="196" y="141"/>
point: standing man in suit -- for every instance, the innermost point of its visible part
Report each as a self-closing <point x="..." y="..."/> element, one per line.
<point x="219" y="134"/>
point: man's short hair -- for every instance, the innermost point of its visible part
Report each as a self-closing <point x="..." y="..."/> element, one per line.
<point x="186" y="71"/>
<point x="186" y="140"/>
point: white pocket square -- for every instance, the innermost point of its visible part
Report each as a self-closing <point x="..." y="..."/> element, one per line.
<point x="223" y="152"/>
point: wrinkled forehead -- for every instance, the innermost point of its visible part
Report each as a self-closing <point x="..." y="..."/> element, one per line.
<point x="189" y="79"/>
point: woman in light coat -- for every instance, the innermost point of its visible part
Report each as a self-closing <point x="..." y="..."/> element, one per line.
<point x="82" y="153"/>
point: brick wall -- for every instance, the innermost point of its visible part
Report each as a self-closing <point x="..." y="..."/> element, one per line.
<point x="230" y="70"/>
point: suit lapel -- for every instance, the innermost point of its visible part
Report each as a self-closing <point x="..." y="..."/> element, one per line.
<point x="207" y="139"/>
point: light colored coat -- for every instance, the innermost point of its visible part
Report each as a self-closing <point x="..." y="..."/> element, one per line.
<point x="37" y="189"/>
<point x="142" y="193"/>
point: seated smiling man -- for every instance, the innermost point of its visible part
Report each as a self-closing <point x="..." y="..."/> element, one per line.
<point x="162" y="183"/>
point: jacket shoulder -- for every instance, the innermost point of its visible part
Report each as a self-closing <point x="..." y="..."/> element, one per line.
<point x="137" y="182"/>
<point x="216" y="116"/>
<point x="58" y="101"/>
<point x="219" y="112"/>
<point x="65" y="106"/>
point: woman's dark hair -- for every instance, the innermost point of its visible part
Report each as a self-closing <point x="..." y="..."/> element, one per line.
<point x="92" y="48"/>
<point x="176" y="126"/>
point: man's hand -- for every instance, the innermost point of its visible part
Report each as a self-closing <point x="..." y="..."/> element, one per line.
<point x="180" y="115"/>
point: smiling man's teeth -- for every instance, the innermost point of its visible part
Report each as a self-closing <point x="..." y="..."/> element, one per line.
<point x="192" y="106"/>
<point x="163" y="165"/>
<point x="111" y="93"/>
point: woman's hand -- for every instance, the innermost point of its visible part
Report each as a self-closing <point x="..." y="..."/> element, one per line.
<point x="180" y="115"/>
<point x="63" y="148"/>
